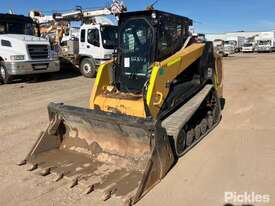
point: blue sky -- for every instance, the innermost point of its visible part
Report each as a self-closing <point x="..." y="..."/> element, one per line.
<point x="209" y="16"/>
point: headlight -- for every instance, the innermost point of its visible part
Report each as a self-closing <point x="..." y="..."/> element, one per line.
<point x="17" y="57"/>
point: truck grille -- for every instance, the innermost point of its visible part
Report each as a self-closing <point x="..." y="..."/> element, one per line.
<point x="38" y="51"/>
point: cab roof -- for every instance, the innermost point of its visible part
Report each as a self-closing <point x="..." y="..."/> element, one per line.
<point x="14" y="17"/>
<point x="157" y="12"/>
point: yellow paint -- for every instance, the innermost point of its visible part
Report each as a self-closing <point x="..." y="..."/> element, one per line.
<point x="162" y="73"/>
<point x="120" y="105"/>
<point x="109" y="104"/>
<point x="171" y="67"/>
<point x="219" y="75"/>
<point x="174" y="61"/>
<point x="152" y="84"/>
<point x="99" y="74"/>
<point x="103" y="79"/>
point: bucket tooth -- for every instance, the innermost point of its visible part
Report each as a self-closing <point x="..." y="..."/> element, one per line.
<point x="23" y="162"/>
<point x="114" y="155"/>
<point x="90" y="189"/>
<point x="74" y="183"/>
<point x="107" y="195"/>
<point x="46" y="172"/>
<point x="59" y="177"/>
<point x="33" y="167"/>
<point x="129" y="202"/>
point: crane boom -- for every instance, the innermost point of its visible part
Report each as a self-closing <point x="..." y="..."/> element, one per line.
<point x="78" y="14"/>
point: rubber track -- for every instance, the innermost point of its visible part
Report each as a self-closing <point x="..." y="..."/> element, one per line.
<point x="175" y="122"/>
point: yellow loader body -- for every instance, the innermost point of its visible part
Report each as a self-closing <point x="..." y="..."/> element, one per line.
<point x="145" y="111"/>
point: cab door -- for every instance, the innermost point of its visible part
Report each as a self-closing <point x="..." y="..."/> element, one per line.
<point x="82" y="42"/>
<point x="92" y="44"/>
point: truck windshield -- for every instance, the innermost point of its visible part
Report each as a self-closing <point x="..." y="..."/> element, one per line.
<point x="109" y="37"/>
<point x="248" y="45"/>
<point x="16" y="28"/>
<point x="234" y="43"/>
<point x="266" y="42"/>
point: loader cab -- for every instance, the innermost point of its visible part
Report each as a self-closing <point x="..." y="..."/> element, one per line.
<point x="146" y="37"/>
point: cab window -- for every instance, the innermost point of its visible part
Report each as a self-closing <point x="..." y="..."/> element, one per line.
<point x="83" y="35"/>
<point x="93" y="37"/>
<point x="2" y="28"/>
<point x="171" y="37"/>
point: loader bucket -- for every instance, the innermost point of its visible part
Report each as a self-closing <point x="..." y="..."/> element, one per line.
<point x="118" y="155"/>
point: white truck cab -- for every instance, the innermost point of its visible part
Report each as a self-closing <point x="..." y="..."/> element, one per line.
<point x="265" y="45"/>
<point x="229" y="47"/>
<point x="234" y="41"/>
<point x="22" y="53"/>
<point x="95" y="45"/>
<point x="98" y="41"/>
<point x="248" y="47"/>
<point x="95" y="42"/>
<point x="219" y="47"/>
<point x="265" y="42"/>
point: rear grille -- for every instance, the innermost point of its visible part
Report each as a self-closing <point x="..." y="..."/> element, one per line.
<point x="38" y="51"/>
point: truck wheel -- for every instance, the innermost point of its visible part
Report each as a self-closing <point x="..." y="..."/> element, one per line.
<point x="88" y="68"/>
<point x="4" y="76"/>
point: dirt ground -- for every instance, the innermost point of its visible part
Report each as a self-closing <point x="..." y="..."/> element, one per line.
<point x="238" y="156"/>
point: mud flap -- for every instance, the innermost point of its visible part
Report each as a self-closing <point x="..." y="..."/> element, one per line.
<point x="121" y="156"/>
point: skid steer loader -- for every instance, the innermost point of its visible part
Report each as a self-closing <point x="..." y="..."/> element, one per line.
<point x="159" y="96"/>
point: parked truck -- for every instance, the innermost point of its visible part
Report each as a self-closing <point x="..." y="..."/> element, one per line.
<point x="96" y="41"/>
<point x="234" y="41"/>
<point x="219" y="47"/>
<point x="229" y="48"/>
<point x="265" y="42"/>
<point x="21" y="52"/>
<point x="95" y="46"/>
<point x="248" y="47"/>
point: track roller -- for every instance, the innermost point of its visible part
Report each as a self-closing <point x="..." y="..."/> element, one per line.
<point x="181" y="142"/>
<point x="203" y="126"/>
<point x="190" y="137"/>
